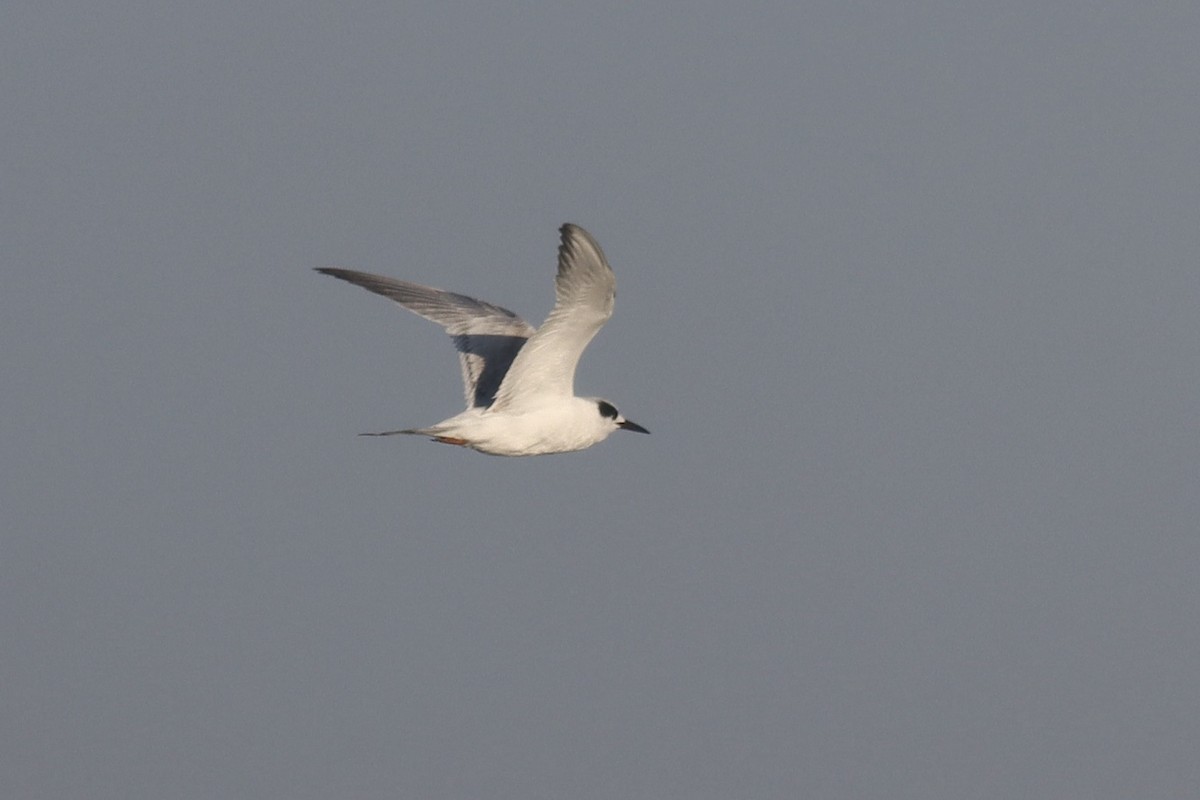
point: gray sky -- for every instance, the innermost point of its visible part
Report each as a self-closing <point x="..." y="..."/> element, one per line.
<point x="908" y="297"/>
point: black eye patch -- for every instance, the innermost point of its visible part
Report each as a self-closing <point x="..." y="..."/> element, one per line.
<point x="607" y="409"/>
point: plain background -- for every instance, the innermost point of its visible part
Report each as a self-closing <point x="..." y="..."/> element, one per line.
<point x="908" y="296"/>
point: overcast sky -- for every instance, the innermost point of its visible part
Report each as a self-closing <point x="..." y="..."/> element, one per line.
<point x="909" y="295"/>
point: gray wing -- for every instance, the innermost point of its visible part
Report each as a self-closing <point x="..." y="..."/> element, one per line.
<point x="584" y="289"/>
<point x="487" y="337"/>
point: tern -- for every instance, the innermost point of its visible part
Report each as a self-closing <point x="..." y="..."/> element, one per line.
<point x="519" y="382"/>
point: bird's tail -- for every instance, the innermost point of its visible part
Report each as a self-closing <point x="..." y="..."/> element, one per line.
<point x="393" y="433"/>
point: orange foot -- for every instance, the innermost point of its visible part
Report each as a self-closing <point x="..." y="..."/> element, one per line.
<point x="450" y="440"/>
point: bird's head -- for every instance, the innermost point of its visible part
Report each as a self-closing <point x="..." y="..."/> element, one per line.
<point x="609" y="412"/>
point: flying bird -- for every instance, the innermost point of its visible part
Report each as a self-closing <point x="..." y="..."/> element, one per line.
<point x="519" y="382"/>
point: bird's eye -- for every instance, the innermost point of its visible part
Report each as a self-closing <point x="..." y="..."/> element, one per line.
<point x="607" y="409"/>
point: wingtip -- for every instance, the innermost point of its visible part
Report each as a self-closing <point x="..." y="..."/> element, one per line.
<point x="574" y="239"/>
<point x="570" y="232"/>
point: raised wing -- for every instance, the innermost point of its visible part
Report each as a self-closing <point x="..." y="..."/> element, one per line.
<point x="487" y="337"/>
<point x="584" y="290"/>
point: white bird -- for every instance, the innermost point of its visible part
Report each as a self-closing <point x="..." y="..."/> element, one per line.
<point x="519" y="383"/>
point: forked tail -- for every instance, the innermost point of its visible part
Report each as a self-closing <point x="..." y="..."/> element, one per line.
<point x="393" y="433"/>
